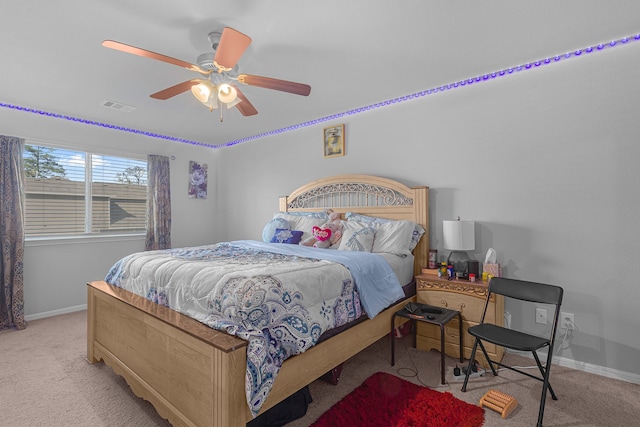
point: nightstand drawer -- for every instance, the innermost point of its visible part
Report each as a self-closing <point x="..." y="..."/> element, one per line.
<point x="452" y="332"/>
<point x="471" y="308"/>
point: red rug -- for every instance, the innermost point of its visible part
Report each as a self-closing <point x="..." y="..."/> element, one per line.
<point x="384" y="400"/>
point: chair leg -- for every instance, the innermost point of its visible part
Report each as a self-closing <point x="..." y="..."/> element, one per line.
<point x="486" y="355"/>
<point x="471" y="359"/>
<point x="545" y="374"/>
<point x="545" y="385"/>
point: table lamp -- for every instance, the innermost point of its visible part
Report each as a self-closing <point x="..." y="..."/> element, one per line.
<point x="459" y="236"/>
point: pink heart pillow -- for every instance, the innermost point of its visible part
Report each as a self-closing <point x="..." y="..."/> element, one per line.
<point x="321" y="234"/>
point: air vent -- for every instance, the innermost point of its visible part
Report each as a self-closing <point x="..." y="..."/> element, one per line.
<point x="117" y="106"/>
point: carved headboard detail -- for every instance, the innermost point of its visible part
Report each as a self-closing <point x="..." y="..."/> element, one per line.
<point x="368" y="195"/>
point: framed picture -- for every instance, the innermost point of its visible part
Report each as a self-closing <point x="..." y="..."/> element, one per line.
<point x="333" y="142"/>
<point x="197" y="180"/>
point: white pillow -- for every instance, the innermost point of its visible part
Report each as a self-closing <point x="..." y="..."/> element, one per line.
<point x="417" y="233"/>
<point x="393" y="237"/>
<point x="302" y="223"/>
<point x="357" y="239"/>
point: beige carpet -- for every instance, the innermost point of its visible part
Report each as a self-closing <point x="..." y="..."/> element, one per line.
<point x="46" y="381"/>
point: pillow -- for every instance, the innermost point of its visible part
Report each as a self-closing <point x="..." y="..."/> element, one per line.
<point x="291" y="237"/>
<point x="271" y="227"/>
<point x="303" y="223"/>
<point x="393" y="237"/>
<point x="417" y="233"/>
<point x="357" y="239"/>
<point x="324" y="215"/>
<point x="352" y="216"/>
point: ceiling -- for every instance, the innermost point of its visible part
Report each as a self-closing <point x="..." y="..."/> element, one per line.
<point x="353" y="53"/>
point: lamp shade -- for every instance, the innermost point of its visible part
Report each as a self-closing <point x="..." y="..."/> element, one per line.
<point x="459" y="235"/>
<point x="227" y="93"/>
<point x="202" y="91"/>
<point x="234" y="102"/>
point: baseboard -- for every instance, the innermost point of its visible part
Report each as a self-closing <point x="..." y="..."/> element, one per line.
<point x="587" y="367"/>
<point x="55" y="312"/>
<point x="598" y="370"/>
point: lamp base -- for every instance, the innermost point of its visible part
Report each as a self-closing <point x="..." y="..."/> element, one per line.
<point x="460" y="262"/>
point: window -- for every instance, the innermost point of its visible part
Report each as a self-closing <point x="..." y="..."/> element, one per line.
<point x="72" y="193"/>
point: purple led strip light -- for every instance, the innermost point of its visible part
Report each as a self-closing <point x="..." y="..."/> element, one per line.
<point x="105" y="125"/>
<point x="459" y="84"/>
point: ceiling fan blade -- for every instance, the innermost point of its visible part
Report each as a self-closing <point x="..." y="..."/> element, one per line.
<point x="245" y="107"/>
<point x="175" y="90"/>
<point x="231" y="47"/>
<point x="275" y="84"/>
<point x="148" y="54"/>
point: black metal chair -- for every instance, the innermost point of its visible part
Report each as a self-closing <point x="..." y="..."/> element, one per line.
<point x="524" y="291"/>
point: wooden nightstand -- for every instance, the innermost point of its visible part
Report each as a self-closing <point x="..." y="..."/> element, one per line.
<point x="466" y="297"/>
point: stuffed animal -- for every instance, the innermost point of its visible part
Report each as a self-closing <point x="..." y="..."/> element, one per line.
<point x="327" y="234"/>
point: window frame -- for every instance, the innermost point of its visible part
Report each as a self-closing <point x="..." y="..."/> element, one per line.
<point x="87" y="235"/>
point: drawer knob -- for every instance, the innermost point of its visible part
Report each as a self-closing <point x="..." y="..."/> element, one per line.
<point x="461" y="307"/>
<point x="444" y="303"/>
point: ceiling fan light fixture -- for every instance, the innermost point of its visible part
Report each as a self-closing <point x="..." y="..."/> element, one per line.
<point x="233" y="103"/>
<point x="212" y="103"/>
<point x="203" y="90"/>
<point x="227" y="93"/>
<point x="219" y="70"/>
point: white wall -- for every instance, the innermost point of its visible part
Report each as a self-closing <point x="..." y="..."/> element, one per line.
<point x="56" y="271"/>
<point x="544" y="161"/>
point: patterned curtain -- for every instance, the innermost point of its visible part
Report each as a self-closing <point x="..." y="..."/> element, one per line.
<point x="11" y="233"/>
<point x="158" y="203"/>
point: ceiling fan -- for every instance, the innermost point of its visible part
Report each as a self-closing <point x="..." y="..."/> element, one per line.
<point x="219" y="71"/>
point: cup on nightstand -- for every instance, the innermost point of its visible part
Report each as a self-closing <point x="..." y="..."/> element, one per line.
<point x="433" y="256"/>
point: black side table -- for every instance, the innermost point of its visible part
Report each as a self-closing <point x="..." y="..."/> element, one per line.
<point x="422" y="314"/>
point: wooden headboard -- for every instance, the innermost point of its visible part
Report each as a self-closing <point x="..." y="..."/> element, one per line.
<point x="368" y="195"/>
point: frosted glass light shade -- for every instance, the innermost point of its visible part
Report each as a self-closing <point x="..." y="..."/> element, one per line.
<point x="459" y="235"/>
<point x="212" y="103"/>
<point x="234" y="103"/>
<point x="202" y="91"/>
<point x="227" y="93"/>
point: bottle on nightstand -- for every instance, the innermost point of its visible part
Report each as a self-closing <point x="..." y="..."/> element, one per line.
<point x="442" y="272"/>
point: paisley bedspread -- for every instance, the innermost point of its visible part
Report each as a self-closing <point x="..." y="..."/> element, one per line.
<point x="279" y="302"/>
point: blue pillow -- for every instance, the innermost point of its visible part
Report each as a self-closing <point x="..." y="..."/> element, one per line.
<point x="291" y="237"/>
<point x="271" y="227"/>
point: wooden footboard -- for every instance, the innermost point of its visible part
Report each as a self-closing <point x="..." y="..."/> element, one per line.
<point x="194" y="375"/>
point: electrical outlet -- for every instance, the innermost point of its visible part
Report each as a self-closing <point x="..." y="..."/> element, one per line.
<point x="541" y="316"/>
<point x="567" y="321"/>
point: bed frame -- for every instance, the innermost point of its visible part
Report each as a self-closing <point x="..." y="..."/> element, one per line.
<point x="194" y="375"/>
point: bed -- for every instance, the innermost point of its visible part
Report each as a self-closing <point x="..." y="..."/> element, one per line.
<point x="195" y="375"/>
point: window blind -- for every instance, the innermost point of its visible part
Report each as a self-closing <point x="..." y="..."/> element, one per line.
<point x="60" y="182"/>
